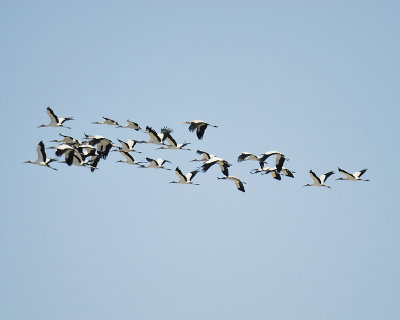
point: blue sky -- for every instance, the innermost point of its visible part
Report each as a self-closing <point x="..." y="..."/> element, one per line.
<point x="316" y="80"/>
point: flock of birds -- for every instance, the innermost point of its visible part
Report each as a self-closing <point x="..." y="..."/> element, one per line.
<point x="93" y="148"/>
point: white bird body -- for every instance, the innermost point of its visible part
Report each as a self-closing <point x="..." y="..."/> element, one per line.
<point x="200" y="126"/>
<point x="319" y="181"/>
<point x="54" y="120"/>
<point x="352" y="177"/>
<point x="42" y="159"/>
<point x="185" y="179"/>
<point x="239" y="184"/>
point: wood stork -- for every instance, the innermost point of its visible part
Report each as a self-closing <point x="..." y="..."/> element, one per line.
<point x="108" y="121"/>
<point x="78" y="161"/>
<point x="223" y="164"/>
<point x="156" y="164"/>
<point x="93" y="139"/>
<point x="200" y="127"/>
<point x="319" y="181"/>
<point x="280" y="159"/>
<point x="129" y="158"/>
<point x="67" y="139"/>
<point x="276" y="173"/>
<point x="172" y="143"/>
<point x="273" y="171"/>
<point x="54" y="120"/>
<point x="131" y="125"/>
<point x="239" y="184"/>
<point x="94" y="161"/>
<point x="155" y="138"/>
<point x="352" y="177"/>
<point x="42" y="159"/>
<point x="205" y="156"/>
<point x="64" y="149"/>
<point x="128" y="146"/>
<point x="86" y="150"/>
<point x="246" y="156"/>
<point x="267" y="154"/>
<point x="185" y="179"/>
<point x="103" y="145"/>
<point x="288" y="173"/>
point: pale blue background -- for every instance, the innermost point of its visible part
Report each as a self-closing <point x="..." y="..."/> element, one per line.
<point x="317" y="80"/>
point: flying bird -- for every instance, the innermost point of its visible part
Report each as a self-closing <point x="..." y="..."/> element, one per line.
<point x="129" y="158"/>
<point x="103" y="145"/>
<point x="239" y="184"/>
<point x="42" y="159"/>
<point x="319" y="181"/>
<point x="200" y="127"/>
<point x="205" y="156"/>
<point x="156" y="138"/>
<point x="67" y="139"/>
<point x="54" y="120"/>
<point x="279" y="160"/>
<point x="172" y="144"/>
<point x="131" y="125"/>
<point x="128" y="146"/>
<point x="94" y="161"/>
<point x="352" y="177"/>
<point x="273" y="171"/>
<point x="156" y="164"/>
<point x="108" y="121"/>
<point x="64" y="149"/>
<point x="248" y="156"/>
<point x="223" y="164"/>
<point x="185" y="179"/>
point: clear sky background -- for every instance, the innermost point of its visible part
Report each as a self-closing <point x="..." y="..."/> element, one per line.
<point x="316" y="80"/>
